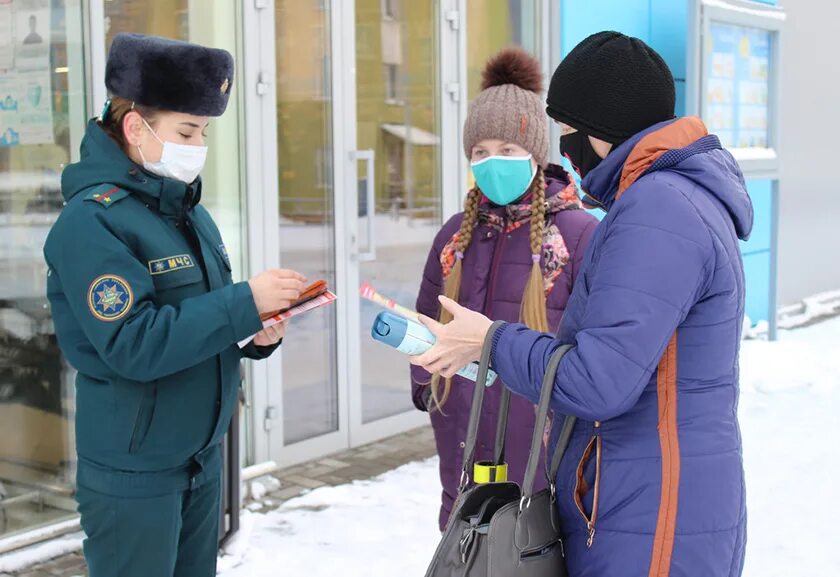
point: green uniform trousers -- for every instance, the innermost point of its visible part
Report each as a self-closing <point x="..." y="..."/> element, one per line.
<point x="172" y="535"/>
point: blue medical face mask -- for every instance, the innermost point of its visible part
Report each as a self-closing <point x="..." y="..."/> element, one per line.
<point x="504" y="179"/>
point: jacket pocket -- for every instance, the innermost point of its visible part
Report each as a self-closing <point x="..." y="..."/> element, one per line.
<point x="583" y="486"/>
<point x="143" y="419"/>
<point x="178" y="277"/>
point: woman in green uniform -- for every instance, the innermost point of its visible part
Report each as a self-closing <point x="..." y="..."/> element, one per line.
<point x="146" y="310"/>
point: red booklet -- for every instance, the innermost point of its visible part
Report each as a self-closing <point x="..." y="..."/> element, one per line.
<point x="314" y="296"/>
<point x="311" y="292"/>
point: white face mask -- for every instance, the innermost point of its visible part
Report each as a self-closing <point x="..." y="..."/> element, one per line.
<point x="182" y="162"/>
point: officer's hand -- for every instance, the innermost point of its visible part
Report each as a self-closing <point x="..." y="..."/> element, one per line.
<point x="276" y="289"/>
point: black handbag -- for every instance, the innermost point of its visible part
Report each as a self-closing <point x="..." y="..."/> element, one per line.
<point x="500" y="529"/>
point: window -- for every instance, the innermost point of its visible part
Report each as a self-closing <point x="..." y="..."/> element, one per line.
<point x="392" y="79"/>
<point x="396" y="182"/>
<point x="390" y="9"/>
<point x="42" y="120"/>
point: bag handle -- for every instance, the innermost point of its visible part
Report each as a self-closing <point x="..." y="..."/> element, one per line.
<point x="559" y="450"/>
<point x="552" y="466"/>
<point x="475" y="411"/>
<point x="539" y="427"/>
<point x="501" y="427"/>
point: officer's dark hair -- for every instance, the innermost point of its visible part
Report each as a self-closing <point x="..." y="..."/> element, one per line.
<point x="112" y="120"/>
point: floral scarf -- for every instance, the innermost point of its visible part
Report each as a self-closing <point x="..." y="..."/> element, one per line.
<point x="555" y="255"/>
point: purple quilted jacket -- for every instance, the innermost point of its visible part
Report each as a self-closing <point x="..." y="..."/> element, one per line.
<point x="496" y="267"/>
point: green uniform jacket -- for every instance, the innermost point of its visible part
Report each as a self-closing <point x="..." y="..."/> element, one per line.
<point x="145" y="309"/>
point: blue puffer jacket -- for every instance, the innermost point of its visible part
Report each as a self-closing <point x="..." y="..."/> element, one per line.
<point x="652" y="483"/>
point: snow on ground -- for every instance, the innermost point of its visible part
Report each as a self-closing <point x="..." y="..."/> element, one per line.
<point x="790" y="419"/>
<point x="383" y="527"/>
<point x="24" y="558"/>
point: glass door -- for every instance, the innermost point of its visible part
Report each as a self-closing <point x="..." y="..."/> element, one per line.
<point x="307" y="212"/>
<point x="297" y="398"/>
<point x="396" y="192"/>
<point x="370" y="99"/>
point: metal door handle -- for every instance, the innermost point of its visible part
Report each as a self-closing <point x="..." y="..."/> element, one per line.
<point x="370" y="192"/>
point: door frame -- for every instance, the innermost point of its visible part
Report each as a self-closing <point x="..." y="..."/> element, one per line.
<point x="450" y="95"/>
<point x="264" y="392"/>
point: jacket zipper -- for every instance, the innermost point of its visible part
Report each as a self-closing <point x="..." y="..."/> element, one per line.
<point x="185" y="225"/>
<point x="494" y="271"/>
<point x="594" y="444"/>
<point x="597" y="489"/>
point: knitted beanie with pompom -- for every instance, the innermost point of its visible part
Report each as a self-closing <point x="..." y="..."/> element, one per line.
<point x="510" y="106"/>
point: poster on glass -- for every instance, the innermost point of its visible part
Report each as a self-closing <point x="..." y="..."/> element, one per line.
<point x="25" y="82"/>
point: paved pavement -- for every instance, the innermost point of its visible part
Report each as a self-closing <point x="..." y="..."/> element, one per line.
<point x="356" y="464"/>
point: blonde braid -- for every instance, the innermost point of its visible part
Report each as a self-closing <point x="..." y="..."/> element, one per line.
<point x="533" y="311"/>
<point x="471" y="205"/>
<point x="537" y="213"/>
<point x="452" y="284"/>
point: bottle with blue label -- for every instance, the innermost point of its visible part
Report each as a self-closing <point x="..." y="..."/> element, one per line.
<point x="412" y="338"/>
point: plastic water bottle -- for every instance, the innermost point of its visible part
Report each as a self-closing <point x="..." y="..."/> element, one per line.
<point x="412" y="338"/>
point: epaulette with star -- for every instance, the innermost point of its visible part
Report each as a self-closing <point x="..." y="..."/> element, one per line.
<point x="106" y="194"/>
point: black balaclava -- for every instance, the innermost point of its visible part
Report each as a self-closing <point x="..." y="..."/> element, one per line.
<point x="577" y="148"/>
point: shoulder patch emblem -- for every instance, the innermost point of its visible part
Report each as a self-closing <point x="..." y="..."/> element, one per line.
<point x="106" y="195"/>
<point x="170" y="263"/>
<point x="110" y="298"/>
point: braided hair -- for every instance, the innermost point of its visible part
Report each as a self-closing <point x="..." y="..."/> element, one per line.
<point x="533" y="312"/>
<point x="452" y="284"/>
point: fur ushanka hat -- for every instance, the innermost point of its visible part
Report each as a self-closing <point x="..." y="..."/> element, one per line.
<point x="169" y="75"/>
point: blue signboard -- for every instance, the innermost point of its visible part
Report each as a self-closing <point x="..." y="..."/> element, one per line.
<point x="737" y="85"/>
